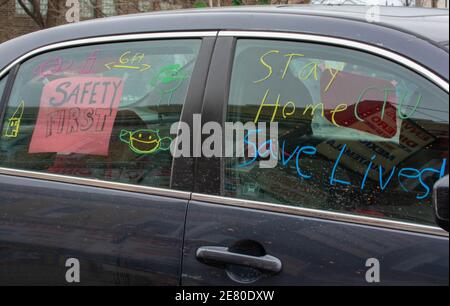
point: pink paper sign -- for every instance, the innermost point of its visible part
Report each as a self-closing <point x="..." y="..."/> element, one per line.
<point x="374" y="99"/>
<point x="77" y="115"/>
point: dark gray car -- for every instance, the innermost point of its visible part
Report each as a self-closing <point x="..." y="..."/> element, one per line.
<point x="91" y="111"/>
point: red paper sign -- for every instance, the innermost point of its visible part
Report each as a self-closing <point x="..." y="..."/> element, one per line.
<point x="76" y="115"/>
<point x="375" y="99"/>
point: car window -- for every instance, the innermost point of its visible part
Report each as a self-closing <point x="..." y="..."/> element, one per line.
<point x="101" y="111"/>
<point x="356" y="133"/>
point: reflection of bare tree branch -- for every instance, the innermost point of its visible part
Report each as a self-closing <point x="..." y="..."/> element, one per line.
<point x="35" y="13"/>
<point x="52" y="8"/>
<point x="137" y="8"/>
<point x="133" y="7"/>
<point x="98" y="11"/>
<point x="56" y="9"/>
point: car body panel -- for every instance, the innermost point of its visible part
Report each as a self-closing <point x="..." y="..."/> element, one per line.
<point x="119" y="237"/>
<point x="312" y="251"/>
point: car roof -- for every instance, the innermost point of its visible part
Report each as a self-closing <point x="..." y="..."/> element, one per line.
<point x="417" y="33"/>
<point x="429" y="23"/>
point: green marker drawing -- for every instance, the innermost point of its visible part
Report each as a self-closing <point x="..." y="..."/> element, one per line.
<point x="168" y="80"/>
<point x="145" y="141"/>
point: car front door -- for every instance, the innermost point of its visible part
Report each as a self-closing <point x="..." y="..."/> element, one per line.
<point x="86" y="186"/>
<point x="337" y="191"/>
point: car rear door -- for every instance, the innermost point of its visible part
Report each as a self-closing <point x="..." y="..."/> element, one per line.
<point x="338" y="191"/>
<point x="86" y="172"/>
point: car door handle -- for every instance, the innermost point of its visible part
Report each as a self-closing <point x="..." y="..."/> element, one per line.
<point x="223" y="256"/>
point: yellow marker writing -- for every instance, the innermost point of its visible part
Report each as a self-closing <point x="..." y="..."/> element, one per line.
<point x="290" y="56"/>
<point x="263" y="104"/>
<point x="314" y="70"/>
<point x="126" y="63"/>
<point x="334" y="74"/>
<point x="263" y="62"/>
<point x="13" y="125"/>
<point x="338" y="109"/>
<point x="313" y="108"/>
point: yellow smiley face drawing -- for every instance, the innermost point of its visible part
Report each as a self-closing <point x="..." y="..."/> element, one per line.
<point x="144" y="141"/>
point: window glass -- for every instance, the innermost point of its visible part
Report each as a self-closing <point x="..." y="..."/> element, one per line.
<point x="356" y="133"/>
<point x="101" y="112"/>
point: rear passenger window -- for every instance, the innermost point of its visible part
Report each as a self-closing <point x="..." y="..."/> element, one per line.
<point x="101" y="112"/>
<point x="356" y="133"/>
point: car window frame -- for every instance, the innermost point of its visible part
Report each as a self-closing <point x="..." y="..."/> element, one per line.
<point x="190" y="106"/>
<point x="10" y="76"/>
<point x="215" y="109"/>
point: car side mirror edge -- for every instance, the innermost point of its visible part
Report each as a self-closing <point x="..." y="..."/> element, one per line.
<point x="441" y="205"/>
